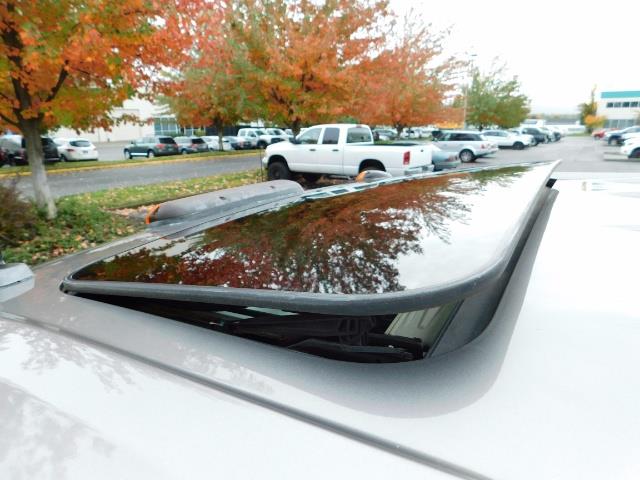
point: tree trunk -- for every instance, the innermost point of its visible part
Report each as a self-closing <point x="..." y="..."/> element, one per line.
<point x="31" y="130"/>
<point x="295" y="127"/>
<point x="219" y="129"/>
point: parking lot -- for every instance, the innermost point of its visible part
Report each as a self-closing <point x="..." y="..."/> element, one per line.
<point x="578" y="154"/>
<point x="581" y="157"/>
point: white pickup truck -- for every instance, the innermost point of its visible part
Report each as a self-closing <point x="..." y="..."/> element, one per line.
<point x="344" y="150"/>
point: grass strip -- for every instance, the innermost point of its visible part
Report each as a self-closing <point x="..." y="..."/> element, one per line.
<point x="87" y="219"/>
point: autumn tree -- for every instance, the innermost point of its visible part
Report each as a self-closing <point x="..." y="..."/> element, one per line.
<point x="589" y="113"/>
<point x="406" y="84"/>
<point x="69" y="62"/>
<point x="208" y="89"/>
<point x="492" y="100"/>
<point x="591" y="122"/>
<point x="302" y="55"/>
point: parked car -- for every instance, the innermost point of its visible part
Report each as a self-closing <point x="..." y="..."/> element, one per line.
<point x="342" y="149"/>
<point x="434" y="327"/>
<point x="468" y="145"/>
<point x="151" y="147"/>
<point x="278" y="135"/>
<point x="538" y="135"/>
<point x="414" y="132"/>
<point x="213" y="143"/>
<point x="74" y="149"/>
<point x="629" y="136"/>
<point x="631" y="147"/>
<point x="505" y="139"/>
<point x="557" y="133"/>
<point x="14" y="150"/>
<point x="550" y="135"/>
<point x="385" y="134"/>
<point x="191" y="145"/>
<point x="614" y="137"/>
<point x="260" y="138"/>
<point x="237" y="143"/>
<point x="249" y="137"/>
<point x="443" y="160"/>
<point x="599" y="133"/>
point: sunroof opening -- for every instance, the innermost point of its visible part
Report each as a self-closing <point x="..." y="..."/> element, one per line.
<point x="394" y="273"/>
<point x="389" y="338"/>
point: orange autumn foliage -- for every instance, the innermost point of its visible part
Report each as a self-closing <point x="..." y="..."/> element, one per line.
<point x="303" y="57"/>
<point x="68" y="62"/>
<point x="407" y="83"/>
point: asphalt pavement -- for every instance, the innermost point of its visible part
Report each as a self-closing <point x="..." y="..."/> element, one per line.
<point x="578" y="155"/>
<point x="82" y="181"/>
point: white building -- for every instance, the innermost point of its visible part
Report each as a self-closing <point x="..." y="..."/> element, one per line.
<point x="150" y="119"/>
<point x="622" y="108"/>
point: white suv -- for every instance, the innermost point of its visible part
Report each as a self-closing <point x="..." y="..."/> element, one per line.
<point x="468" y="145"/>
<point x="506" y="139"/>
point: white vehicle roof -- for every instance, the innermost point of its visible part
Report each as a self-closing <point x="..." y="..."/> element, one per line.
<point x="548" y="389"/>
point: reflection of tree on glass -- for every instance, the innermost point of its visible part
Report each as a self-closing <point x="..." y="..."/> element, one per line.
<point x="347" y="244"/>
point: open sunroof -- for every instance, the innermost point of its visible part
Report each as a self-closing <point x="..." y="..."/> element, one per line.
<point x="393" y="248"/>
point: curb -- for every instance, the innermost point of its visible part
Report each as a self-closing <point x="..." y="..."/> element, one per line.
<point x="106" y="166"/>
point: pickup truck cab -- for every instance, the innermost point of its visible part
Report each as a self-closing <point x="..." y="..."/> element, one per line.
<point x="344" y="150"/>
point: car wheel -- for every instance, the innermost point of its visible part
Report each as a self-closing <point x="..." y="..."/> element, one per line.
<point x="262" y="144"/>
<point x="609" y="141"/>
<point x="127" y="155"/>
<point x="467" y="156"/>
<point x="534" y="142"/>
<point x="150" y="154"/>
<point x="635" y="153"/>
<point x="278" y="171"/>
<point x="518" y="146"/>
<point x="183" y="151"/>
<point x="63" y="158"/>
<point x="311" y="177"/>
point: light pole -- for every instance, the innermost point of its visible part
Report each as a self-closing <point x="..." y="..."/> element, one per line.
<point x="466" y="89"/>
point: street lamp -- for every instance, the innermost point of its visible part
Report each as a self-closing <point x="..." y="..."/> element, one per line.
<point x="466" y="89"/>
